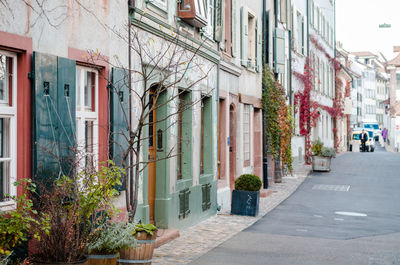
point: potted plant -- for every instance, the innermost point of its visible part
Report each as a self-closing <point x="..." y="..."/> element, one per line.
<point x="246" y="195"/>
<point x="321" y="159"/>
<point x="106" y="241"/>
<point x="76" y="205"/>
<point x="142" y="252"/>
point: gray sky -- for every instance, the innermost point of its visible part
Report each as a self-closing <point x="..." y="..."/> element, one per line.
<point x="358" y="22"/>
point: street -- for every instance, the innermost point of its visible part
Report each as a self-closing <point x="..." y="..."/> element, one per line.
<point x="348" y="216"/>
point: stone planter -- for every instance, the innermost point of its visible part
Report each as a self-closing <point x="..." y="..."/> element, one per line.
<point x="103" y="259"/>
<point x="142" y="253"/>
<point x="245" y="202"/>
<point x="321" y="163"/>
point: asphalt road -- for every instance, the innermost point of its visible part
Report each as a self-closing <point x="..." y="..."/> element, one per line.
<point x="348" y="216"/>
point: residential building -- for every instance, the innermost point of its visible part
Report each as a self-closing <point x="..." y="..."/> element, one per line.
<point x="72" y="105"/>
<point x="240" y="114"/>
<point x="314" y="42"/>
<point x="192" y="155"/>
<point x="393" y="69"/>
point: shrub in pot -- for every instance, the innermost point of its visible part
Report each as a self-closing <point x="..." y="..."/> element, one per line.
<point x="106" y="241"/>
<point x="246" y="195"/>
<point x="76" y="205"/>
<point x="321" y="159"/>
<point x="142" y="252"/>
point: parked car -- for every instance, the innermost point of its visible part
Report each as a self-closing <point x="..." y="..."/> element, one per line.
<point x="356" y="136"/>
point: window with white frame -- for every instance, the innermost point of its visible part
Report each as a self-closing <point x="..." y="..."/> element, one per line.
<point x="209" y="29"/>
<point x="8" y="126"/>
<point x="87" y="116"/>
<point x="246" y="132"/>
<point x="162" y="4"/>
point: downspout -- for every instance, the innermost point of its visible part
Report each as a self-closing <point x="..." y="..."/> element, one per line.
<point x="334" y="24"/>
<point x="308" y="28"/>
<point x="265" y="61"/>
<point x="131" y="3"/>
<point x="290" y="67"/>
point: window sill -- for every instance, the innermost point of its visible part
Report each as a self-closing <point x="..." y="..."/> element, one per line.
<point x="206" y="178"/>
<point x="182" y="184"/>
<point x="7" y="206"/>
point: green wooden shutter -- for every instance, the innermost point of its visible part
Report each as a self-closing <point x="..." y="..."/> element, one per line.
<point x="208" y="194"/>
<point x="279" y="55"/>
<point x="184" y="209"/>
<point x="204" y="197"/>
<point x="187" y="209"/>
<point x="218" y="27"/>
<point x="66" y="95"/>
<point x="119" y="116"/>
<point x="244" y="36"/>
<point x="54" y="118"/>
<point x="45" y="147"/>
<point x="258" y="47"/>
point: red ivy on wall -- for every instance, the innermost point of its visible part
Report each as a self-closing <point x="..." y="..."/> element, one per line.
<point x="309" y="109"/>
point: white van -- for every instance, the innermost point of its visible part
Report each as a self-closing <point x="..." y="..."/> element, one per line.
<point x="373" y="126"/>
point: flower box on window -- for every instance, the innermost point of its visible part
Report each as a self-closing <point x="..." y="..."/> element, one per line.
<point x="193" y="12"/>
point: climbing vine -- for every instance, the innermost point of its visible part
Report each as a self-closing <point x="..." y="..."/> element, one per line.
<point x="279" y="122"/>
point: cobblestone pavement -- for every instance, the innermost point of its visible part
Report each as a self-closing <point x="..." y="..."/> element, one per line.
<point x="201" y="238"/>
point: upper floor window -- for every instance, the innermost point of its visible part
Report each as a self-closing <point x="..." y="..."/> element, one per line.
<point x="246" y="134"/>
<point x="87" y="115"/>
<point x="209" y="29"/>
<point x="8" y="126"/>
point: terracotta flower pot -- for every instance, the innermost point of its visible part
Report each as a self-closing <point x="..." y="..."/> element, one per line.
<point x="142" y="253"/>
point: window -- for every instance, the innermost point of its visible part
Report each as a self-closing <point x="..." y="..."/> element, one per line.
<point x="252" y="39"/>
<point x="86" y="115"/>
<point x="206" y="136"/>
<point x="209" y="30"/>
<point x="180" y="135"/>
<point x="8" y="127"/>
<point x="162" y="4"/>
<point x="246" y="133"/>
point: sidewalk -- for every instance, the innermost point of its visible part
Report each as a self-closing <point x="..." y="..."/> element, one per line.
<point x="201" y="238"/>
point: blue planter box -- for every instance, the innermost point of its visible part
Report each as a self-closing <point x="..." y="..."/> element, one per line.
<point x="245" y="202"/>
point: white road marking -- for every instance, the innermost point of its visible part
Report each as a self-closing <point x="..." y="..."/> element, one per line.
<point x="352" y="214"/>
<point x="318" y="216"/>
<point x="301" y="230"/>
<point x="339" y="219"/>
<point x="344" y="188"/>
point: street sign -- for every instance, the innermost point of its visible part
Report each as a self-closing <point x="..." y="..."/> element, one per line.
<point x="384" y="25"/>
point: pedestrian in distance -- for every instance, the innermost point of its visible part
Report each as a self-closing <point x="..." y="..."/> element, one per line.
<point x="364" y="138"/>
<point x="384" y="134"/>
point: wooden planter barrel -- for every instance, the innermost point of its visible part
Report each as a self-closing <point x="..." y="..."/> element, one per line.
<point x="103" y="259"/>
<point x="142" y="253"/>
<point x="82" y="262"/>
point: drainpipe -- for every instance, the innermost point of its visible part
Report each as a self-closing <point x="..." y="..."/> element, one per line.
<point x="308" y="28"/>
<point x="131" y="3"/>
<point x="290" y="67"/>
<point x="265" y="57"/>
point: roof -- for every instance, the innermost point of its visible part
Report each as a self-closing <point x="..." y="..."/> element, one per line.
<point x="363" y="54"/>
<point x="395" y="61"/>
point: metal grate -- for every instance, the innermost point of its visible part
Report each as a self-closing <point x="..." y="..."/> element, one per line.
<point x="344" y="188"/>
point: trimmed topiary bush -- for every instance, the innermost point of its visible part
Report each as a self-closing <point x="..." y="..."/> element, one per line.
<point x="248" y="182"/>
